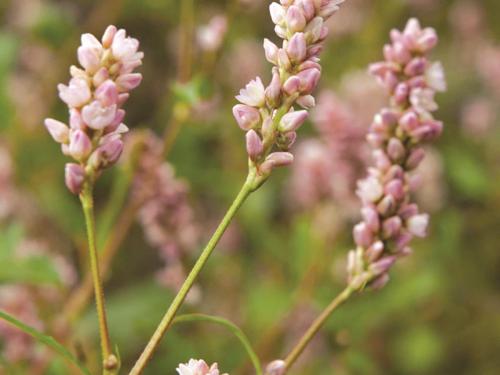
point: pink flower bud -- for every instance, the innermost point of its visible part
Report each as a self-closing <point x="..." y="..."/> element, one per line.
<point x="415" y="158"/>
<point x="409" y="121"/>
<point x="291" y="85"/>
<point x="383" y="265"/>
<point x="90" y="41"/>
<point x="392" y="226"/>
<point x="306" y="101"/>
<point x="254" y="144"/>
<point x="277" y="13"/>
<point x="314" y="30"/>
<point x="297" y="48"/>
<point x="370" y="189"/>
<point x="75" y="119"/>
<point x="76" y="93"/>
<point x="89" y="58"/>
<point x="292" y="121"/>
<point x="375" y="251"/>
<point x="107" y="93"/>
<point x="273" y="91"/>
<point x="363" y="236"/>
<point x="395" y="188"/>
<point x="128" y="82"/>
<point x="418" y="224"/>
<point x="309" y="79"/>
<point x="58" y="130"/>
<point x="97" y="116"/>
<point x="271" y="51"/>
<point x="386" y="205"/>
<point x="74" y="176"/>
<point x="370" y="217"/>
<point x="295" y="19"/>
<point x="276" y="159"/>
<point x="247" y="117"/>
<point x="80" y="145"/>
<point x="380" y="282"/>
<point x="416" y="67"/>
<point x="283" y="60"/>
<point x="100" y="76"/>
<point x="401" y="93"/>
<point x="107" y="37"/>
<point x="396" y="150"/>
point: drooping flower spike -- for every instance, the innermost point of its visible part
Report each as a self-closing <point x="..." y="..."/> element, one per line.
<point x="268" y="114"/>
<point x="390" y="218"/>
<point x="95" y="95"/>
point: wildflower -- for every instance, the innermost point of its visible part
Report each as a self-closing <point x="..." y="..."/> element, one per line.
<point x="94" y="97"/>
<point x="390" y="219"/>
<point x="268" y="113"/>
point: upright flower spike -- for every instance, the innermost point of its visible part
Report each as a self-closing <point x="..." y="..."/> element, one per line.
<point x="390" y="218"/>
<point x="268" y="114"/>
<point x="95" y="95"/>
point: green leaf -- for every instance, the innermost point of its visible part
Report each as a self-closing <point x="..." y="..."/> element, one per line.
<point x="46" y="340"/>
<point x="229" y="325"/>
<point x="32" y="270"/>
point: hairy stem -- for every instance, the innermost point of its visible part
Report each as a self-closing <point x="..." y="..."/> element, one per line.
<point x="110" y="362"/>
<point x="169" y="316"/>
<point x="316" y="326"/>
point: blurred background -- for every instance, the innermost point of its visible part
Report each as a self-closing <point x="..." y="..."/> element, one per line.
<point x="283" y="258"/>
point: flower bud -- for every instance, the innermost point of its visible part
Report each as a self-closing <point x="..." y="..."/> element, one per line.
<point x="363" y="236"/>
<point x="80" y="145"/>
<point x="306" y="101"/>
<point x="74" y="176"/>
<point x="276" y="159"/>
<point x="291" y="85"/>
<point x="273" y="91"/>
<point x="415" y="158"/>
<point x="107" y="37"/>
<point x="309" y="79"/>
<point x="58" y="130"/>
<point x="127" y="82"/>
<point x="392" y="226"/>
<point x="107" y="93"/>
<point x="271" y="51"/>
<point x="418" y="224"/>
<point x="396" y="150"/>
<point x="247" y="117"/>
<point x="297" y="48"/>
<point x="292" y="121"/>
<point x="254" y="144"/>
<point x="295" y="19"/>
<point x="382" y="266"/>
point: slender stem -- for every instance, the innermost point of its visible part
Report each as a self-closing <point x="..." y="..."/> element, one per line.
<point x="169" y="316"/>
<point x="110" y="362"/>
<point x="316" y="326"/>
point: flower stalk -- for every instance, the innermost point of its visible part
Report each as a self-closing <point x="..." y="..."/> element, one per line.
<point x="110" y="361"/>
<point x="166" y="322"/>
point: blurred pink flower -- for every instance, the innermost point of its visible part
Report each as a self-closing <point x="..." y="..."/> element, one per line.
<point x="198" y="367"/>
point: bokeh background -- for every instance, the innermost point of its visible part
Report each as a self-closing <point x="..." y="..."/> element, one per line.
<point x="283" y="258"/>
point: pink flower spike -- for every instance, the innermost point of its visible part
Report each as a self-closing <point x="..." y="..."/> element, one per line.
<point x="58" y="130"/>
<point x="74" y="177"/>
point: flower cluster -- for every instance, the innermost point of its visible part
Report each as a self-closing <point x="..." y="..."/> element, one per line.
<point x="95" y="95"/>
<point x="198" y="367"/>
<point x="390" y="218"/>
<point x="267" y="114"/>
<point x="165" y="213"/>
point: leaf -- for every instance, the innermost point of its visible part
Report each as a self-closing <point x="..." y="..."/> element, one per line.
<point x="229" y="325"/>
<point x="46" y="340"/>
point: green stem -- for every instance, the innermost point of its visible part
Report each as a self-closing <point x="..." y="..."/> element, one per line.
<point x="169" y="316"/>
<point x="110" y="362"/>
<point x="229" y="325"/>
<point x="316" y="326"/>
